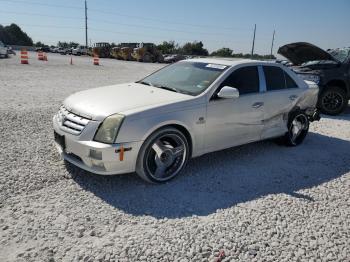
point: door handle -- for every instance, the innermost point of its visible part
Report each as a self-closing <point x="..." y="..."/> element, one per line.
<point x="257" y="104"/>
<point x="293" y="97"/>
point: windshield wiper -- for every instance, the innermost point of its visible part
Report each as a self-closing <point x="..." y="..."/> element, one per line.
<point x="145" y="83"/>
<point x="169" y="88"/>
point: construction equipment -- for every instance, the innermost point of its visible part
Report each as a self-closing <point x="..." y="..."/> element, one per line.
<point x="147" y="52"/>
<point x="102" y="49"/>
<point x="115" y="53"/>
<point x="122" y="53"/>
<point x="126" y="53"/>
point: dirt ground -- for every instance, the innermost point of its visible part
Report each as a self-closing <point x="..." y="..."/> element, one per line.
<point x="258" y="202"/>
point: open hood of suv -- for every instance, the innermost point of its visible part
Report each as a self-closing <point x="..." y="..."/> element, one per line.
<point x="302" y="52"/>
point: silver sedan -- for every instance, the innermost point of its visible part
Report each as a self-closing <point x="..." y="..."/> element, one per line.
<point x="190" y="108"/>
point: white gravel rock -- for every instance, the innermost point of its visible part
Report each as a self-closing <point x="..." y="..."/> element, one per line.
<point x="259" y="202"/>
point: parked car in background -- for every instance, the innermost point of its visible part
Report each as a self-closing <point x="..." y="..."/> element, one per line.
<point x="173" y="58"/>
<point x="80" y="50"/>
<point x="54" y="49"/>
<point x="43" y="49"/>
<point x="3" y="50"/>
<point x="70" y="51"/>
<point x="329" y="69"/>
<point x="10" y="51"/>
<point x="284" y="62"/>
<point x="63" y="51"/>
<point x="184" y="110"/>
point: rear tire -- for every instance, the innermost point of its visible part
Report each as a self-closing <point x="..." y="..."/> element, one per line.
<point x="298" y="127"/>
<point x="333" y="101"/>
<point x="162" y="156"/>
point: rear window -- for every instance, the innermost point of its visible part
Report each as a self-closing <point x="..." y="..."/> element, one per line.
<point x="290" y="83"/>
<point x="277" y="79"/>
<point x="274" y="78"/>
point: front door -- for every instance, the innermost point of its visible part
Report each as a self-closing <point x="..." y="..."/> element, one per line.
<point x="232" y="122"/>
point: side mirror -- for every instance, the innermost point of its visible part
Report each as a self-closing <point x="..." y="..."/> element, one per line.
<point x="228" y="92"/>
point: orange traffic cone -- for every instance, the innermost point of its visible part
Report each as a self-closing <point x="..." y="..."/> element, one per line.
<point x="24" y="57"/>
<point x="96" y="60"/>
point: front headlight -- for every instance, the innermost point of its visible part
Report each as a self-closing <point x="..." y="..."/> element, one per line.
<point x="310" y="77"/>
<point x="108" y="130"/>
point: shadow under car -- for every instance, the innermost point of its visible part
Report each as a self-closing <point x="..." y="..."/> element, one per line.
<point x="225" y="178"/>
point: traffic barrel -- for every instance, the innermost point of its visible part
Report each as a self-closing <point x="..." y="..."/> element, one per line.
<point x="24" y="57"/>
<point x="96" y="60"/>
<point x="40" y="55"/>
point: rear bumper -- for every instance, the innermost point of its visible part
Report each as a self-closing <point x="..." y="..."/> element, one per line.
<point x="95" y="157"/>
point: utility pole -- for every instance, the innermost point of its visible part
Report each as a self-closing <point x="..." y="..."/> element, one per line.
<point x="86" y="34"/>
<point x="273" y="40"/>
<point x="253" y="41"/>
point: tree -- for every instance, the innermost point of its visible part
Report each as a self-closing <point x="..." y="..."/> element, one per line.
<point x="168" y="47"/>
<point x="13" y="35"/>
<point x="67" y="45"/>
<point x="194" y="48"/>
<point x="223" y="52"/>
<point x="39" y="44"/>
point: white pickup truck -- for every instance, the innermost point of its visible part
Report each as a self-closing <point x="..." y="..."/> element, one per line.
<point x="80" y="50"/>
<point x="3" y="50"/>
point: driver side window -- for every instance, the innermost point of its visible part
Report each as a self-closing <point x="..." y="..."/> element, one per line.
<point x="245" y="79"/>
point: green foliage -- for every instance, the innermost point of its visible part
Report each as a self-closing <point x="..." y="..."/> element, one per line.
<point x="13" y="35"/>
<point x="227" y="52"/>
<point x="67" y="44"/>
<point x="223" y="52"/>
<point x="194" y="48"/>
<point x="168" y="47"/>
<point x="39" y="44"/>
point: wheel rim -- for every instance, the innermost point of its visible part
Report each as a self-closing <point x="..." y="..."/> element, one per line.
<point x="166" y="157"/>
<point x="332" y="101"/>
<point x="298" y="128"/>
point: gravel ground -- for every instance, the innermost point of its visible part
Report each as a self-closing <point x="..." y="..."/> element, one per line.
<point x="259" y="202"/>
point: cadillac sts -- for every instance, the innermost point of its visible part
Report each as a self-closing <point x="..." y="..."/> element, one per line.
<point x="187" y="109"/>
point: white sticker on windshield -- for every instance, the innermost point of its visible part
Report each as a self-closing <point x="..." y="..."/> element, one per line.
<point x="216" y="66"/>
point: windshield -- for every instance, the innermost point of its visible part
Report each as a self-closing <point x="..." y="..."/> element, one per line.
<point x="2" y="44"/>
<point x="341" y="54"/>
<point x="185" y="77"/>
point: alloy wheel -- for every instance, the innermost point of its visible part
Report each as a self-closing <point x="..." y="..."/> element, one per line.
<point x="166" y="157"/>
<point x="298" y="127"/>
<point x="332" y="101"/>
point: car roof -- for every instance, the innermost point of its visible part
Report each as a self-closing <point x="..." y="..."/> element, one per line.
<point x="228" y="61"/>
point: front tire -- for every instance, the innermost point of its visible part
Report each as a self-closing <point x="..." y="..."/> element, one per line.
<point x="333" y="101"/>
<point x="298" y="127"/>
<point x="162" y="156"/>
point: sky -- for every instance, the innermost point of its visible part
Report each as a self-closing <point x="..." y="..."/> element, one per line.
<point x="218" y="23"/>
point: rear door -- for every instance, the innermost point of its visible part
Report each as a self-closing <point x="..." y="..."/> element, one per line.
<point x="233" y="122"/>
<point x="281" y="95"/>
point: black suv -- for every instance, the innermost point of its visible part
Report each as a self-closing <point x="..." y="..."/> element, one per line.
<point x="329" y="69"/>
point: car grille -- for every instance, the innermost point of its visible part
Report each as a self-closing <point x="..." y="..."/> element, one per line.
<point x="70" y="122"/>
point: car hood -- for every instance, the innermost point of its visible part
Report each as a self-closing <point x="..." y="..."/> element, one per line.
<point x="301" y="52"/>
<point x="98" y="103"/>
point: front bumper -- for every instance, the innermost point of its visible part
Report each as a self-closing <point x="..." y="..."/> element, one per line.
<point x="95" y="157"/>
